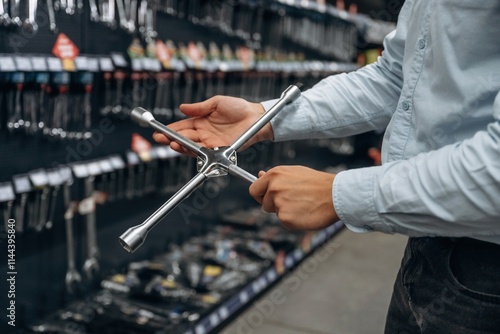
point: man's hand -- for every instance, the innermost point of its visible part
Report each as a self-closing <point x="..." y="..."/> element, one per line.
<point x="217" y="121"/>
<point x="300" y="196"/>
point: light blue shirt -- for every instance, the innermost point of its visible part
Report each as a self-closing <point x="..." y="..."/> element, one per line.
<point x="435" y="90"/>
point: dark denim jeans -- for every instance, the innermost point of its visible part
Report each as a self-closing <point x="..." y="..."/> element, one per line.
<point x="446" y="285"/>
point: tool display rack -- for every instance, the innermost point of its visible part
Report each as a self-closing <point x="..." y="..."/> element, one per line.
<point x="39" y="162"/>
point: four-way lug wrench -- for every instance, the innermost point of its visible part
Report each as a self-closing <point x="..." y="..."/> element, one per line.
<point x="215" y="162"/>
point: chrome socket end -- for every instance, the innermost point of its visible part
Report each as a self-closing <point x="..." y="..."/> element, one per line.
<point x="133" y="238"/>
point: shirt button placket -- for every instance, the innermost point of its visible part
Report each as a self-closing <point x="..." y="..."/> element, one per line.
<point x="421" y="44"/>
<point x="406" y="105"/>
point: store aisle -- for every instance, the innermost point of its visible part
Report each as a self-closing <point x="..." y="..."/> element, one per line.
<point x="344" y="289"/>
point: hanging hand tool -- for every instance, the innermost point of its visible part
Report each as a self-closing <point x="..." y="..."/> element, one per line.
<point x="30" y="23"/>
<point x="73" y="277"/>
<point x="87" y="207"/>
<point x="211" y="163"/>
<point x="52" y="16"/>
<point x="94" y="12"/>
<point x="22" y="186"/>
<point x="5" y="19"/>
<point x="7" y="198"/>
<point x="16" y="122"/>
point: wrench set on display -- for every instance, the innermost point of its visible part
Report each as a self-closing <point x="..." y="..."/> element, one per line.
<point x="130" y="15"/>
<point x="192" y="72"/>
<point x="39" y="98"/>
<point x="174" y="291"/>
<point x="311" y="24"/>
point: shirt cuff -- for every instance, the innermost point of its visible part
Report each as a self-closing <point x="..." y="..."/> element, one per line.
<point x="353" y="199"/>
<point x="290" y="122"/>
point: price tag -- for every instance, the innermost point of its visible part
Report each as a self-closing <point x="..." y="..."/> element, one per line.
<point x="132" y="158"/>
<point x="271" y="275"/>
<point x="92" y="64"/>
<point x="23" y="64"/>
<point x="117" y="162"/>
<point x="119" y="60"/>
<point x="137" y="65"/>
<point x="105" y="166"/>
<point x="39" y="178"/>
<point x="256" y="287"/>
<point x="161" y="152"/>
<point x="263" y="282"/>
<point x="172" y="153"/>
<point x="106" y="64"/>
<point x="80" y="171"/>
<point x="22" y="184"/>
<point x="7" y="64"/>
<point x="214" y="320"/>
<point x="200" y="329"/>
<point x="81" y="63"/>
<point x="54" y="64"/>
<point x="54" y="177"/>
<point x="243" y="297"/>
<point x="223" y="312"/>
<point x="65" y="174"/>
<point x="39" y="64"/>
<point x="298" y="254"/>
<point x="146" y="63"/>
<point x="155" y="65"/>
<point x="6" y="192"/>
<point x="178" y="65"/>
<point x="93" y="168"/>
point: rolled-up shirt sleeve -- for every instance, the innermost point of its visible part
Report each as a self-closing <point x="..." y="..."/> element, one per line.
<point x="452" y="191"/>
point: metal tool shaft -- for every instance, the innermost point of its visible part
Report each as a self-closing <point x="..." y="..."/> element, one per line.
<point x="288" y="96"/>
<point x="241" y="174"/>
<point x="146" y="119"/>
<point x="211" y="163"/>
<point x="133" y="238"/>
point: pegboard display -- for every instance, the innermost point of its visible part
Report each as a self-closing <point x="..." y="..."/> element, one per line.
<point x="76" y="172"/>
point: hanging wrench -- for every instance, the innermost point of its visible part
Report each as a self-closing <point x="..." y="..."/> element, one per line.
<point x="72" y="275"/>
<point x="4" y="15"/>
<point x="30" y="23"/>
<point x="133" y="16"/>
<point x="111" y="14"/>
<point x="122" y="15"/>
<point x="79" y="5"/>
<point x="70" y="7"/>
<point x="52" y="16"/>
<point x="91" y="265"/>
<point x="94" y="12"/>
<point x="63" y="4"/>
<point x="43" y="209"/>
<point x="14" y="12"/>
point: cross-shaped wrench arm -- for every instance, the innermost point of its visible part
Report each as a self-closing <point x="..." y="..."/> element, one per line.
<point x="147" y="120"/>
<point x="289" y="95"/>
<point x="212" y="163"/>
<point x="134" y="237"/>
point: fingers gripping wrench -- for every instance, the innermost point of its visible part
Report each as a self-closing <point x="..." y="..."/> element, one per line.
<point x="214" y="162"/>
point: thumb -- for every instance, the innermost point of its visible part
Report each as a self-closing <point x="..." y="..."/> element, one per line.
<point x="199" y="109"/>
<point x="262" y="173"/>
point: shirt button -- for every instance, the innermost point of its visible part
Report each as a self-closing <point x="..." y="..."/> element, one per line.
<point x="406" y="105"/>
<point x="421" y="44"/>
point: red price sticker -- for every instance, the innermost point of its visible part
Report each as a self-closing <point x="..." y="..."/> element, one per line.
<point x="66" y="50"/>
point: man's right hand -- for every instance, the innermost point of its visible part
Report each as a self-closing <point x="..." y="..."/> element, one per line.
<point x="217" y="122"/>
